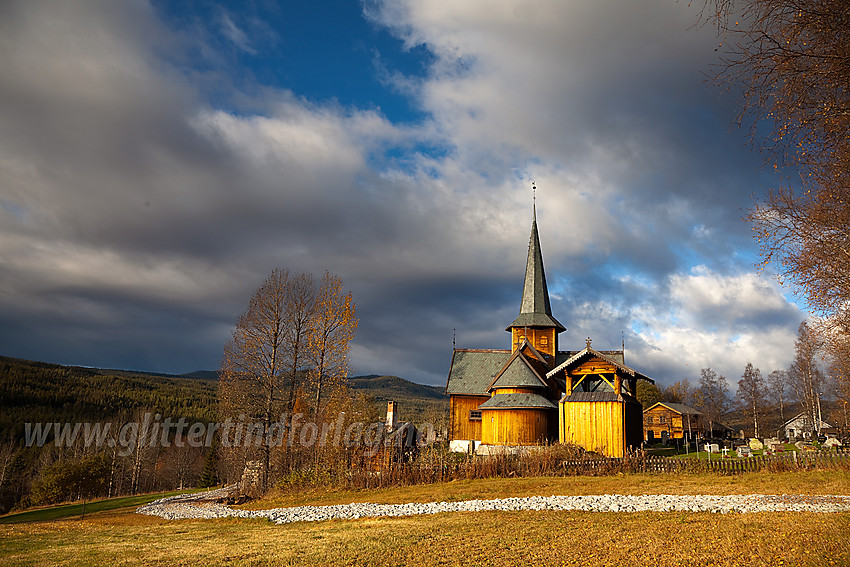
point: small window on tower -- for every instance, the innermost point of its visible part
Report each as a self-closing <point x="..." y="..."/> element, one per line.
<point x="544" y="341"/>
<point x="475" y="415"/>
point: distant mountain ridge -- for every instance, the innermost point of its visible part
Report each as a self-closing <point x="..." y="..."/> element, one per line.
<point x="415" y="402"/>
<point x="390" y="386"/>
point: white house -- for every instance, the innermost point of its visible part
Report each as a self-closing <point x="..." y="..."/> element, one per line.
<point x="798" y="427"/>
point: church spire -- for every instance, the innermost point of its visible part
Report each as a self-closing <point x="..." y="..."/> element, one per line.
<point x="534" y="310"/>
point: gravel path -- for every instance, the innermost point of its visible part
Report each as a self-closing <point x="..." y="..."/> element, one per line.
<point x="200" y="505"/>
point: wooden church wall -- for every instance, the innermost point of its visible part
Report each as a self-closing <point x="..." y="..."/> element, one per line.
<point x="461" y="426"/>
<point x="515" y="391"/>
<point x="596" y="426"/>
<point x="516" y="426"/>
<point x="542" y="339"/>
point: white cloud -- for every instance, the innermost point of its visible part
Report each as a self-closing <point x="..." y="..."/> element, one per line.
<point x="235" y="34"/>
<point x="716" y="321"/>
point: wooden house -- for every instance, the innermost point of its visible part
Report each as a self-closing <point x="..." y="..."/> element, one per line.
<point x="534" y="393"/>
<point x="666" y="420"/>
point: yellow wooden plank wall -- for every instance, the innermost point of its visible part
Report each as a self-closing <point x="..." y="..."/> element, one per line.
<point x="462" y="426"/>
<point x="542" y="339"/>
<point x="596" y="426"/>
<point x="516" y="391"/>
<point x="516" y="426"/>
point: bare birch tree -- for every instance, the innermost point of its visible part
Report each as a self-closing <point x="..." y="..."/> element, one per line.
<point x="291" y="328"/>
<point x="751" y="394"/>
<point x="711" y="397"/>
<point x="790" y="57"/>
<point x="254" y="367"/>
<point x="779" y="391"/>
<point x="806" y="376"/>
<point x="838" y="348"/>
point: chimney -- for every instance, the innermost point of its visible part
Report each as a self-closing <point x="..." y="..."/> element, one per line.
<point x="392" y="415"/>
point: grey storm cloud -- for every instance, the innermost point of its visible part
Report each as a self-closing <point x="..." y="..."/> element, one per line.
<point x="138" y="211"/>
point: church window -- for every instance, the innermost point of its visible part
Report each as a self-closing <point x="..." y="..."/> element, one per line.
<point x="475" y="415"/>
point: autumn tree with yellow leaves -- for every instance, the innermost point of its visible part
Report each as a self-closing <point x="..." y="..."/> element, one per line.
<point x="300" y="313"/>
<point x="792" y="60"/>
<point x="333" y="326"/>
<point x="291" y="328"/>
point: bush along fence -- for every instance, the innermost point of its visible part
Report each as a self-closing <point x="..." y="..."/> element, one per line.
<point x="640" y="462"/>
<point x="367" y="470"/>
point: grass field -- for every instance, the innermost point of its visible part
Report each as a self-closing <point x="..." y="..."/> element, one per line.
<point x="120" y="537"/>
<point x="78" y="508"/>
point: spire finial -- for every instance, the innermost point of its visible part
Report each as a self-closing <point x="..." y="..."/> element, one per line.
<point x="534" y="199"/>
<point x="588" y="340"/>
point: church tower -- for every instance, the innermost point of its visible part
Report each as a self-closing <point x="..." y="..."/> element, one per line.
<point x="535" y="321"/>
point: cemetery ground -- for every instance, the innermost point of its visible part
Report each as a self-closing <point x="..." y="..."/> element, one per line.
<point x="122" y="537"/>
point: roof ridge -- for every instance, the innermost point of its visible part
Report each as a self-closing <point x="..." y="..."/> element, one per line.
<point x="518" y="354"/>
<point x="590" y="350"/>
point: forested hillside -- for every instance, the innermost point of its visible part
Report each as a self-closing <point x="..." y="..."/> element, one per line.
<point x="416" y="402"/>
<point x="40" y="392"/>
<point x="43" y="392"/>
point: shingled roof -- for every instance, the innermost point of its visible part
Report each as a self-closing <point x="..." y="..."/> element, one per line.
<point x="579" y="396"/>
<point x="511" y="401"/>
<point x="678" y="408"/>
<point x="518" y="374"/>
<point x="606" y="356"/>
<point x="535" y="310"/>
<point x="473" y="370"/>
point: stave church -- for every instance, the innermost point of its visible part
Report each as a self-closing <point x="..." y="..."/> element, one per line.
<point x="534" y="393"/>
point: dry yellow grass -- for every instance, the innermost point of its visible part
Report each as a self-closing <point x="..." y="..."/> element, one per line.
<point x="804" y="482"/>
<point x="490" y="538"/>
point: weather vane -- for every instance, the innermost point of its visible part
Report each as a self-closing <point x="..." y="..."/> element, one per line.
<point x="534" y="198"/>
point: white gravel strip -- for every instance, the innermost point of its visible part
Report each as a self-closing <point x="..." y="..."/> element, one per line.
<point x="194" y="506"/>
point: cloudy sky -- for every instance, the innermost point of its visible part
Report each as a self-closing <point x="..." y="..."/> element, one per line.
<point x="158" y="160"/>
